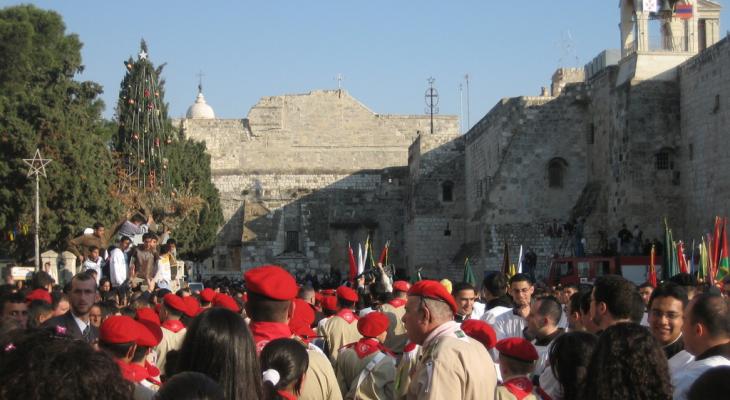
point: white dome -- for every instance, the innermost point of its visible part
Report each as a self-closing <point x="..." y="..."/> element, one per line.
<point x="200" y="110"/>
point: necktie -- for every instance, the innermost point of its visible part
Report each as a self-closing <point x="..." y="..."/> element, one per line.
<point x="86" y="333"/>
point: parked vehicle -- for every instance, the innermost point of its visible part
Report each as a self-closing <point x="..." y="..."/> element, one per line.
<point x="577" y="270"/>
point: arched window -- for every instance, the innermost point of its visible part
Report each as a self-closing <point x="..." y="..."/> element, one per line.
<point x="556" y="172"/>
<point x="447" y="191"/>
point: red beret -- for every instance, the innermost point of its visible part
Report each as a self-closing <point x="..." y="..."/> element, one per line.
<point x="193" y="307"/>
<point x="39" y="294"/>
<point x="347" y="294"/>
<point x="373" y="324"/>
<point x="271" y="281"/>
<point x="207" y="295"/>
<point x="518" y="348"/>
<point x="481" y="331"/>
<point x="329" y="303"/>
<point x="175" y="302"/>
<point x="225" y="301"/>
<point x="433" y="290"/>
<point x="318" y="297"/>
<point x="119" y="329"/>
<point x="148" y="314"/>
<point x="329" y="292"/>
<point x="401" y="286"/>
<point x="150" y="334"/>
<point x="303" y="313"/>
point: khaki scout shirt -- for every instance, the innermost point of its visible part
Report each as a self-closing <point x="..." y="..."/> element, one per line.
<point x="377" y="384"/>
<point x="338" y="332"/>
<point x="453" y="366"/>
<point x="397" y="338"/>
<point x="320" y="382"/>
<point x="408" y="362"/>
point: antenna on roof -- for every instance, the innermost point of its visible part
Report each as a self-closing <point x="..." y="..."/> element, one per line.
<point x="200" y="81"/>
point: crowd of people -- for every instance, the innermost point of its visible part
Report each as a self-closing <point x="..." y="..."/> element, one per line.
<point x="269" y="337"/>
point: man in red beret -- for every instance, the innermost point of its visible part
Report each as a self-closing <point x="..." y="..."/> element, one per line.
<point x="366" y="369"/>
<point x="516" y="362"/>
<point x="271" y="291"/>
<point x="341" y="329"/>
<point x="206" y="297"/>
<point x="118" y="336"/>
<point x="173" y="330"/>
<point x="144" y="372"/>
<point x="395" y="309"/>
<point x="452" y="365"/>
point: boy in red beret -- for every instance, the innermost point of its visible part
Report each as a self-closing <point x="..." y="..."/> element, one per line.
<point x="119" y="336"/>
<point x="517" y="358"/>
<point x="173" y="330"/>
<point x="366" y="369"/>
<point x="395" y="309"/>
<point x="341" y="329"/>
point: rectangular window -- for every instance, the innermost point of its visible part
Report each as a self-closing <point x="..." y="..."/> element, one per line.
<point x="592" y="134"/>
<point x="662" y="160"/>
<point x="292" y="241"/>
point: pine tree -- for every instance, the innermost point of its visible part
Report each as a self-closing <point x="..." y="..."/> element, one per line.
<point x="43" y="106"/>
<point x="162" y="174"/>
<point x="144" y="129"/>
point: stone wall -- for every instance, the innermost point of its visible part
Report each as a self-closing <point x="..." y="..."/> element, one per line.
<point x="508" y="157"/>
<point x="319" y="164"/>
<point x="702" y="151"/>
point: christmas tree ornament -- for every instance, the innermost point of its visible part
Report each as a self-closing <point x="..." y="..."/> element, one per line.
<point x="157" y="142"/>
<point x="146" y="93"/>
<point x="131" y="101"/>
<point x="135" y="136"/>
<point x="141" y="160"/>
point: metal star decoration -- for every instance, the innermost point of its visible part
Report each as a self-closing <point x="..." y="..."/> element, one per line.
<point x="143" y="55"/>
<point x="37" y="164"/>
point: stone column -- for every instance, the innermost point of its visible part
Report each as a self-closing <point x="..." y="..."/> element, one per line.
<point x="642" y="28"/>
<point x="627" y="28"/>
<point x="69" y="267"/>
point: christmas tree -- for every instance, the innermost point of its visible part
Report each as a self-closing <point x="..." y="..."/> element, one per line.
<point x="144" y="129"/>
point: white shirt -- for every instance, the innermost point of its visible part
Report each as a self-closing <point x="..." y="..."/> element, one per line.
<point x="117" y="267"/>
<point x="685" y="377"/>
<point x="509" y="325"/>
<point x="164" y="272"/>
<point x="81" y="324"/>
<point x="93" y="265"/>
<point x="477" y="310"/>
<point x="490" y="316"/>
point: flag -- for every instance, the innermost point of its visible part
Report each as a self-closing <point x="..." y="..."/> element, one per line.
<point x="692" y="269"/>
<point x="651" y="275"/>
<point x="469" y="274"/>
<point x="709" y="273"/>
<point x="683" y="11"/>
<point x="360" y="260"/>
<point x="505" y="262"/>
<point x="353" y="264"/>
<point x="702" y="275"/>
<point x="384" y="254"/>
<point x="680" y="256"/>
<point x="512" y="271"/>
<point x="519" y="262"/>
<point x="372" y="260"/>
<point x="651" y="6"/>
<point x="670" y="253"/>
<point x="716" y="245"/>
<point x="723" y="265"/>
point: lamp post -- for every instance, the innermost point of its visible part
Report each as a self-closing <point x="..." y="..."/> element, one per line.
<point x="37" y="167"/>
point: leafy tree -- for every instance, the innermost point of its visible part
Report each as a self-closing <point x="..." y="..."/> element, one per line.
<point x="167" y="176"/>
<point x="43" y="106"/>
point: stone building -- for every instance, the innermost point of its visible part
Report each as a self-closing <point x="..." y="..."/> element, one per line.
<point x="636" y="136"/>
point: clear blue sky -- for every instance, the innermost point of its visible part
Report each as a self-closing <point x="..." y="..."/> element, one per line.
<point x="385" y="50"/>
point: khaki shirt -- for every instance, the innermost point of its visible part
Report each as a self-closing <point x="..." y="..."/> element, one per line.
<point x="170" y="341"/>
<point x="338" y="332"/>
<point x="320" y="382"/>
<point x="407" y="363"/>
<point x="397" y="338"/>
<point x="378" y="384"/>
<point x="453" y="366"/>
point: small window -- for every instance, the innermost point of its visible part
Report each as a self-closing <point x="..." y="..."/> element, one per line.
<point x="691" y="151"/>
<point x="292" y="241"/>
<point x="556" y="172"/>
<point x="592" y="134"/>
<point x="447" y="191"/>
<point x="663" y="160"/>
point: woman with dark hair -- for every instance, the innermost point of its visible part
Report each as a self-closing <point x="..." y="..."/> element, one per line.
<point x="283" y="365"/>
<point x="627" y="363"/>
<point x="569" y="356"/>
<point x="219" y="344"/>
<point x="190" y="386"/>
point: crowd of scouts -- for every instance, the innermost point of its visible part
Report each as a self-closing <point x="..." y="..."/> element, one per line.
<point x="366" y="340"/>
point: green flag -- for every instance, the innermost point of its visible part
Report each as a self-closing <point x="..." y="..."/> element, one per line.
<point x="469" y="274"/>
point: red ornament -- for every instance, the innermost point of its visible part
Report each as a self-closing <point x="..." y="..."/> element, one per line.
<point x="157" y="142"/>
<point x="146" y="93"/>
<point x="135" y="136"/>
<point x="131" y="101"/>
<point x="150" y="106"/>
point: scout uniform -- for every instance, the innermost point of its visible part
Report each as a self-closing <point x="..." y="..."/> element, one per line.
<point x="516" y="387"/>
<point x="276" y="283"/>
<point x="173" y="331"/>
<point x="408" y="361"/>
<point x="341" y="329"/>
<point x="366" y="369"/>
<point x="452" y="365"/>
<point x="120" y="329"/>
<point x="395" y="309"/>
